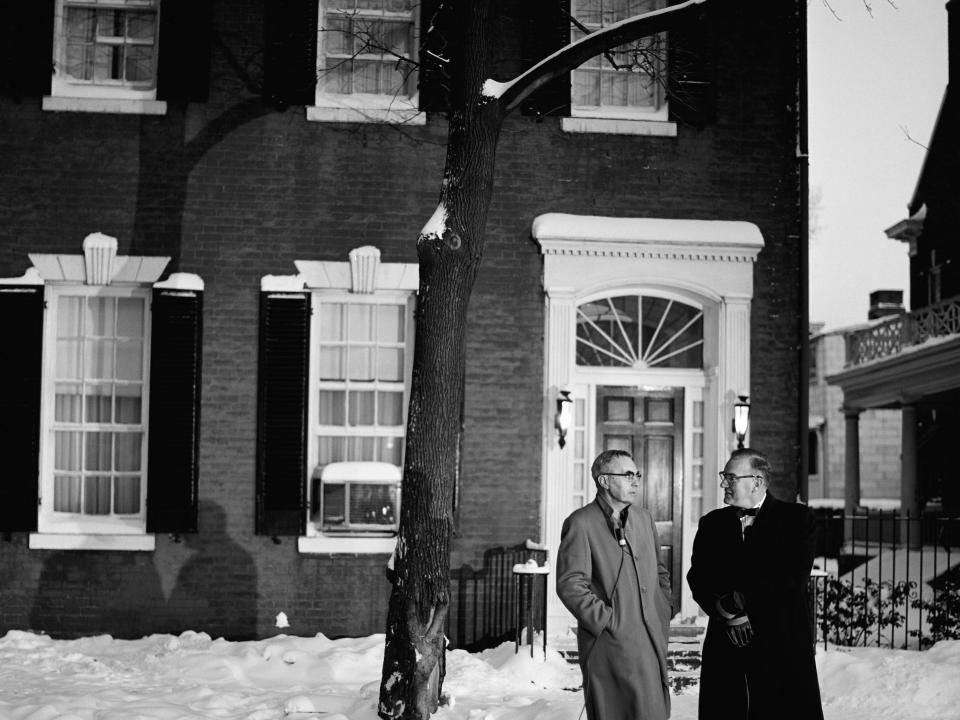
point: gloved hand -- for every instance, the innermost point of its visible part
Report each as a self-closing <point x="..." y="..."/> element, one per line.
<point x="739" y="631"/>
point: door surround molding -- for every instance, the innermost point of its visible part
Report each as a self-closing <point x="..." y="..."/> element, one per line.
<point x="707" y="262"/>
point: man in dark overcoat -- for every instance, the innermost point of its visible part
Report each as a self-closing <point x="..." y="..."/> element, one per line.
<point x="610" y="578"/>
<point x="749" y="572"/>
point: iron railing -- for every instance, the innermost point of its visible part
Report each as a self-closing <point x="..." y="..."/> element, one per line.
<point x="904" y="330"/>
<point x="886" y="578"/>
<point x="484" y="605"/>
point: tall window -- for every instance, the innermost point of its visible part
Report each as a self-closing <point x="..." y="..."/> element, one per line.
<point x="362" y="357"/>
<point x="627" y="80"/>
<point x="106" y="43"/>
<point x="366" y="47"/>
<point x="97" y="470"/>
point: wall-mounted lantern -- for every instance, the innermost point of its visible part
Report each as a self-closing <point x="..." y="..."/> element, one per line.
<point x="563" y="418"/>
<point x="741" y="419"/>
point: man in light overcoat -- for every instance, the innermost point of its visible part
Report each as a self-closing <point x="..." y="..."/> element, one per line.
<point x="610" y="578"/>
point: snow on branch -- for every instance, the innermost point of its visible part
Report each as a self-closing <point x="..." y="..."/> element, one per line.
<point x="576" y="53"/>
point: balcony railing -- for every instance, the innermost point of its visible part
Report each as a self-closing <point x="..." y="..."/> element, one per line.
<point x="904" y="330"/>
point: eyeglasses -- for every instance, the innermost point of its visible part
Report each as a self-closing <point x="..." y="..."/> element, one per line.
<point x="629" y="476"/>
<point x="730" y="477"/>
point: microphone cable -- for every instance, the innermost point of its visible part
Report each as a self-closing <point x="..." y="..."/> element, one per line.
<point x="621" y="541"/>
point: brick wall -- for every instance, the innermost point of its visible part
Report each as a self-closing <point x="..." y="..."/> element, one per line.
<point x="271" y="188"/>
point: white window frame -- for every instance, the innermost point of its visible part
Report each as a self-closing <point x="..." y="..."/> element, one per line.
<point x="316" y="430"/>
<point x="49" y="521"/>
<point x="364" y="107"/>
<point x="76" y="95"/>
<point x="618" y="120"/>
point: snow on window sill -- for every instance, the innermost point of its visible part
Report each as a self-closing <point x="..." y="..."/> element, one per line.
<point x="335" y="112"/>
<point x="619" y="126"/>
<point x="348" y="545"/>
<point x="76" y="541"/>
<point x="122" y="106"/>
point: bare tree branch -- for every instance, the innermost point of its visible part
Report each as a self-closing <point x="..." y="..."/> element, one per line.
<point x="908" y="136"/>
<point x="579" y="52"/>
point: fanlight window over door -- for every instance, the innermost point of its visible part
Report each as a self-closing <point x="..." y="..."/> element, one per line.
<point x="639" y="331"/>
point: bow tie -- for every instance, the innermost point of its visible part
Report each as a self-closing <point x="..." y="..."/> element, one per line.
<point x="744" y="512"/>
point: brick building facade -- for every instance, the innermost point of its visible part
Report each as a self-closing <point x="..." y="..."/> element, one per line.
<point x="227" y="170"/>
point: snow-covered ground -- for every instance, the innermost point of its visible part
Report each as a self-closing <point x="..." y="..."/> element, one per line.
<point x="191" y="676"/>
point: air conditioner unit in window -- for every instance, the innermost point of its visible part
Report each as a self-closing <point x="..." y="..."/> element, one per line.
<point x="360" y="497"/>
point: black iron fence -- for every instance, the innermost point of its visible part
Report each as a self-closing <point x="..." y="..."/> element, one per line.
<point x="485" y="602"/>
<point x="886" y="578"/>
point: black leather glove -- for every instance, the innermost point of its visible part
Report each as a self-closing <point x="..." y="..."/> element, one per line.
<point x="739" y="631"/>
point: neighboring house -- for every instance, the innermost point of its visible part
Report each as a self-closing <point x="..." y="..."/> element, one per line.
<point x="879" y="429"/>
<point x="911" y="362"/>
<point x="211" y="279"/>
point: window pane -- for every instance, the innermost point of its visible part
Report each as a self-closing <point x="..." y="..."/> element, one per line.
<point x="140" y="25"/>
<point x="99" y="359"/>
<point x="139" y="64"/>
<point x="331" y="321"/>
<point x="362" y="408"/>
<point x="69" y="318"/>
<point x="126" y="499"/>
<point x="332" y="408"/>
<point x="366" y="76"/>
<point x="129" y="360"/>
<point x="396" y="37"/>
<point x="361" y="322"/>
<point x="66" y="493"/>
<point x="69" y="362"/>
<point x="336" y="38"/>
<point x="100" y="317"/>
<point x="80" y="24"/>
<point x="107" y="62"/>
<point x="390" y="364"/>
<point x="96" y="495"/>
<point x="389" y="408"/>
<point x="360" y="359"/>
<point x="127" y="451"/>
<point x="67" y="405"/>
<point x="129" y="404"/>
<point x="390" y="323"/>
<point x="99" y="404"/>
<point x="97" y="451"/>
<point x="110" y="24"/>
<point x="331" y="363"/>
<point x="66" y="454"/>
<point x="130" y="317"/>
<point x="390" y="450"/>
<point x="331" y="449"/>
<point x="361" y="448"/>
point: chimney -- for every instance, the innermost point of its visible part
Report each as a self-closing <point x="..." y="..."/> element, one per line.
<point x="884" y="303"/>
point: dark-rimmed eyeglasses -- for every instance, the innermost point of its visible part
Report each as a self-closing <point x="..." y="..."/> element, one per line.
<point x="731" y="478"/>
<point x="628" y="476"/>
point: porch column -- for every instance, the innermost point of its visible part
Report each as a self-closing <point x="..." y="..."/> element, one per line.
<point x="910" y="495"/>
<point x="851" y="465"/>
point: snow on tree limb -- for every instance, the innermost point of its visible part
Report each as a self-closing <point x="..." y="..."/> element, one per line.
<point x="576" y="53"/>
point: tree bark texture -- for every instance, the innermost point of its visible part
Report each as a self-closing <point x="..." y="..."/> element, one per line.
<point x="413" y="665"/>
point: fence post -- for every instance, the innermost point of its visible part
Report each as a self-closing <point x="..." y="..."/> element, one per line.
<point x="524" y="576"/>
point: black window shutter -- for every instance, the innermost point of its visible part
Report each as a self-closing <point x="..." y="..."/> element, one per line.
<point x="282" y="413"/>
<point x="290" y="52"/>
<point x="691" y="85"/>
<point x="546" y="30"/>
<point x="174" y="423"/>
<point x="21" y="323"/>
<point x="26" y="47"/>
<point x="183" y="64"/>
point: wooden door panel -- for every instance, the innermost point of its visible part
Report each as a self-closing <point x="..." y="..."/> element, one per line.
<point x="649" y="425"/>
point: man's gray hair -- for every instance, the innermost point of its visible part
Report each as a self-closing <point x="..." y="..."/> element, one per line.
<point x="603" y="459"/>
<point x="758" y="462"/>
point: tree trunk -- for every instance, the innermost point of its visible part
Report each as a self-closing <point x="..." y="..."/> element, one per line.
<point x="449" y="256"/>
